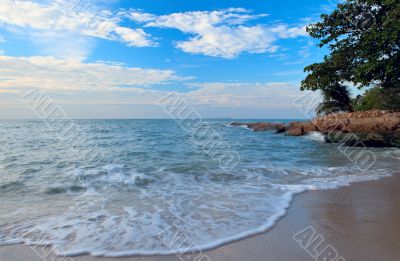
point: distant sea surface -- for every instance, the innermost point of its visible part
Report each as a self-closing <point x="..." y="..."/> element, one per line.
<point x="155" y="183"/>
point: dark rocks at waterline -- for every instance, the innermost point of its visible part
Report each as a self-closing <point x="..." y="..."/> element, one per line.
<point x="237" y="124"/>
<point x="300" y="128"/>
<point x="267" y="126"/>
<point x="291" y="129"/>
<point x="281" y="129"/>
<point x="375" y="128"/>
<point x="362" y="139"/>
<point x="262" y="126"/>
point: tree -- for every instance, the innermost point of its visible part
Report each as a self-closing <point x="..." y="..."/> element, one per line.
<point x="377" y="98"/>
<point x="336" y="99"/>
<point x="363" y="37"/>
<point x="372" y="99"/>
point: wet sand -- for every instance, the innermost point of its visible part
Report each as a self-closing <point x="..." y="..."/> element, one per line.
<point x="361" y="222"/>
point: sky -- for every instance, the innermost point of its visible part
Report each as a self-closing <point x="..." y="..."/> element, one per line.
<point x="116" y="59"/>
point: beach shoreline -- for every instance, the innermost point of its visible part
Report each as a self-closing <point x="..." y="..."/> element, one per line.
<point x="373" y="128"/>
<point x="360" y="222"/>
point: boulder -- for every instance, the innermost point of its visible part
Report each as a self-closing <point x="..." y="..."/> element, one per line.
<point x="237" y="124"/>
<point x="365" y="139"/>
<point x="281" y="128"/>
<point x="295" y="132"/>
<point x="375" y="128"/>
<point x="261" y="126"/>
<point x="356" y="122"/>
<point x="300" y="128"/>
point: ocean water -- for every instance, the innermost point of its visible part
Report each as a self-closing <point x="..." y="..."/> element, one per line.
<point x="155" y="185"/>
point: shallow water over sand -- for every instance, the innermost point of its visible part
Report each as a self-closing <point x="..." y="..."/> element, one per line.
<point x="155" y="182"/>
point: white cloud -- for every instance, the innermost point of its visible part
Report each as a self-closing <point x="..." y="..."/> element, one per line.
<point x="135" y="37"/>
<point x="284" y="31"/>
<point x="229" y="43"/>
<point x="74" y="82"/>
<point x="222" y="33"/>
<point x="1" y="52"/>
<point x="253" y="95"/>
<point x="140" y="17"/>
<point x="2" y="40"/>
<point x="69" y="75"/>
<point x="70" y="16"/>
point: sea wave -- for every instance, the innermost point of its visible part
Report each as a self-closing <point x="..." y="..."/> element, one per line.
<point x="155" y="182"/>
<point x="114" y="225"/>
<point x="315" y="136"/>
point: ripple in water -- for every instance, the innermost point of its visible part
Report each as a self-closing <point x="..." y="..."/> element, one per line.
<point x="155" y="184"/>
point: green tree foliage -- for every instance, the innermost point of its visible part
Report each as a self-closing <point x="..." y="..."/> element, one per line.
<point x="336" y="99"/>
<point x="377" y="98"/>
<point x="364" y="39"/>
<point x="372" y="99"/>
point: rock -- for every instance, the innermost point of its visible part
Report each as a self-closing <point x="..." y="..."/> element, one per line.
<point x="362" y="139"/>
<point x="262" y="126"/>
<point x="237" y="124"/>
<point x="358" y="122"/>
<point x="300" y="128"/>
<point x="375" y="128"/>
<point x="280" y="128"/>
<point x="295" y="132"/>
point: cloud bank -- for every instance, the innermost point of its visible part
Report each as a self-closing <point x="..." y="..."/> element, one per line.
<point x="54" y="74"/>
<point x="74" y="81"/>
<point x="71" y="16"/>
<point x="222" y="33"/>
<point x="225" y="33"/>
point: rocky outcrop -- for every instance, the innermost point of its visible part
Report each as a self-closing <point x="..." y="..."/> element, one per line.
<point x="368" y="121"/>
<point x="375" y="128"/>
<point x="365" y="139"/>
<point x="300" y="128"/>
<point x="262" y="126"/>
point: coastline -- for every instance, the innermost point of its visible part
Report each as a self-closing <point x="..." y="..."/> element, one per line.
<point x="360" y="221"/>
<point x="373" y="128"/>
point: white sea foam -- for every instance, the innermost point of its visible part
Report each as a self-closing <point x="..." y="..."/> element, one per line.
<point x="157" y="183"/>
<point x="316" y="136"/>
<point x="224" y="214"/>
<point x="244" y="126"/>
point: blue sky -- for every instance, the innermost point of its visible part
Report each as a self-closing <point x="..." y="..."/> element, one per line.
<point x="115" y="59"/>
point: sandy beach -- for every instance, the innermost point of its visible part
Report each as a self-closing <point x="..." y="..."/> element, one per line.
<point x="361" y="222"/>
<point x="199" y="130"/>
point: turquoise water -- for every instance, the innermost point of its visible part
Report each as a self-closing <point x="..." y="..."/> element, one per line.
<point x="154" y="179"/>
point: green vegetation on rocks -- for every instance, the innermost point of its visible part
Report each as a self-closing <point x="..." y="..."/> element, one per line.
<point x="363" y="37"/>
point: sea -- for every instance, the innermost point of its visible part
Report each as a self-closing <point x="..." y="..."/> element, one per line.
<point x="147" y="187"/>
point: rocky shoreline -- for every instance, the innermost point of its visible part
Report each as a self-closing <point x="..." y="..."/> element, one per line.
<point x="375" y="128"/>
